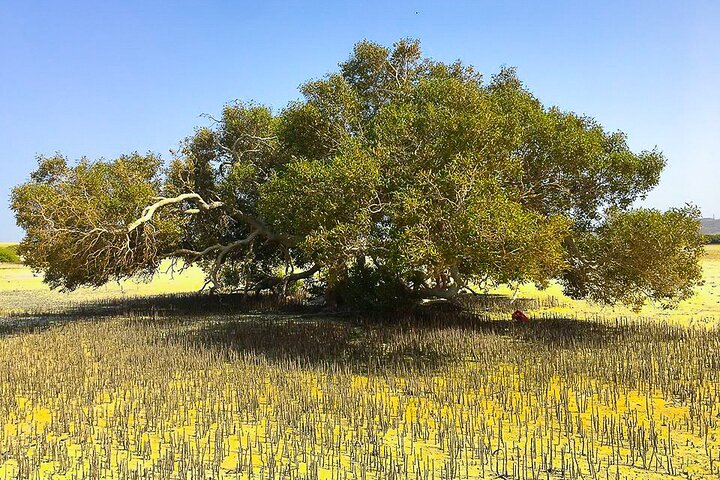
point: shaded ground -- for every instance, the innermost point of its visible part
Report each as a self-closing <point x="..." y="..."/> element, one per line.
<point x="23" y="293"/>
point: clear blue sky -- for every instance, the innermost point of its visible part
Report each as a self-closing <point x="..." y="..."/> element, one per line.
<point x="103" y="78"/>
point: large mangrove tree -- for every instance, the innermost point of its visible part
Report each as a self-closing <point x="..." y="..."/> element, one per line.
<point x="397" y="178"/>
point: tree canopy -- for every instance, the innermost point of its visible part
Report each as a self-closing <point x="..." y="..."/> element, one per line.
<point x="394" y="179"/>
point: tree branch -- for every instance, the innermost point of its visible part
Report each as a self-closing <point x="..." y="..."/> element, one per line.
<point x="270" y="282"/>
<point x="150" y="210"/>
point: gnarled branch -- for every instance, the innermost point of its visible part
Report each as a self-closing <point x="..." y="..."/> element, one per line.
<point x="270" y="282"/>
<point x="150" y="210"/>
<point x="220" y="251"/>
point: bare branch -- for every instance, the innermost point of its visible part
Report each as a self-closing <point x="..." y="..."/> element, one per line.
<point x="270" y="282"/>
<point x="219" y="249"/>
<point x="150" y="210"/>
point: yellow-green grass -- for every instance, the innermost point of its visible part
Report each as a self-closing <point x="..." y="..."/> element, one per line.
<point x="280" y="396"/>
<point x="22" y="291"/>
<point x="8" y="253"/>
<point x="702" y="308"/>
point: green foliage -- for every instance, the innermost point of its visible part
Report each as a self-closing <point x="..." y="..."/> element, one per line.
<point x="367" y="287"/>
<point x="712" y="239"/>
<point x="657" y="254"/>
<point x="76" y="219"/>
<point x="8" y="254"/>
<point x="440" y="181"/>
<point x="327" y="204"/>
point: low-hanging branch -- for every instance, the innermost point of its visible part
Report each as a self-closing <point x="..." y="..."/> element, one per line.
<point x="273" y="281"/>
<point x="220" y="251"/>
<point x="150" y="210"/>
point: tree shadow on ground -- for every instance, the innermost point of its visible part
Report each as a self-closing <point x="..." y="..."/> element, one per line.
<point x="170" y="304"/>
<point x="296" y="331"/>
<point x="331" y="340"/>
<point x="29" y="324"/>
<point x="203" y="302"/>
<point x="367" y="344"/>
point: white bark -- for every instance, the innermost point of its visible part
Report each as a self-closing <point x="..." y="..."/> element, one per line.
<point x="150" y="210"/>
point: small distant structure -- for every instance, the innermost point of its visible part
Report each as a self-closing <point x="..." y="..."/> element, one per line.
<point x="519" y="316"/>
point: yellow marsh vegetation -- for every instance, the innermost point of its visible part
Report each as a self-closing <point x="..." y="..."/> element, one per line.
<point x="151" y="394"/>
